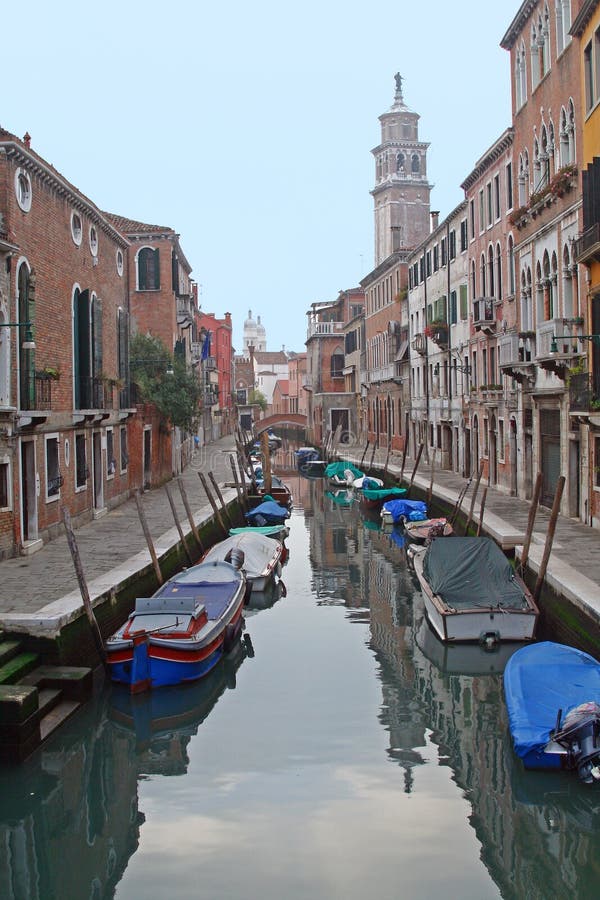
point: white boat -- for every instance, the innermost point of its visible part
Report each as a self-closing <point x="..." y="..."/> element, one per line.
<point x="262" y="556"/>
<point x="471" y="592"/>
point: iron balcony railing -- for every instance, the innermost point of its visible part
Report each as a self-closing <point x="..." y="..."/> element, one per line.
<point x="35" y="391"/>
<point x="584" y="395"/>
<point x="587" y="246"/>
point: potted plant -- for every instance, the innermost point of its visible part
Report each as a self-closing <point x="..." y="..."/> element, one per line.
<point x="49" y="373"/>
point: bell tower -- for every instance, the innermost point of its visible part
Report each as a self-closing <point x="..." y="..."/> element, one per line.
<point x="401" y="192"/>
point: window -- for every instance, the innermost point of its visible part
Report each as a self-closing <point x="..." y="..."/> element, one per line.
<point x="111" y="463"/>
<point x="148" y="269"/>
<point x="81" y="472"/>
<point x="428" y="263"/>
<point x="453" y="244"/>
<point x="23" y="189"/>
<point x="464" y="305"/>
<point x="472" y="218"/>
<point x="511" y="266"/>
<point x="444" y="251"/>
<point x="453" y="309"/>
<point x="76" y="229"/>
<point x="337" y="363"/>
<point x="464" y="238"/>
<point x="93" y="240"/>
<point x="597" y="462"/>
<point x="481" y="211"/>
<point x="120" y="263"/>
<point x="490" y="211"/>
<point x="124" y="453"/>
<point x="436" y="261"/>
<point x="509" y="191"/>
<point x="5" y="494"/>
<point x="496" y="197"/>
<point x="54" y="479"/>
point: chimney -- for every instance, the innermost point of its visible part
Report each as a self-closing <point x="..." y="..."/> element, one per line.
<point x="435" y="218"/>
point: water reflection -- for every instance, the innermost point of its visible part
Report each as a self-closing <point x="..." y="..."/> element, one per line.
<point x="355" y="742"/>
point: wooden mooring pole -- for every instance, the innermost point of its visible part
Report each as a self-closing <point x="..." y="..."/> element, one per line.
<point x="362" y="459"/>
<point x="190" y="516"/>
<point x="475" y="492"/>
<point x="148" y="536"/>
<point x="211" y="500"/>
<point x="432" y="476"/>
<point x="481" y="511"/>
<point x="85" y="595"/>
<point x="178" y="524"/>
<point x="549" y="537"/>
<point x="224" y="509"/>
<point x="531" y="522"/>
<point x="414" y="471"/>
<point x="236" y="481"/>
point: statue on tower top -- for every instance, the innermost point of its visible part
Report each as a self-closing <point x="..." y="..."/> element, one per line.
<point x="398" y="79"/>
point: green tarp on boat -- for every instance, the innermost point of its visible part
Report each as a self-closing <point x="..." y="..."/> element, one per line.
<point x="340" y="468"/>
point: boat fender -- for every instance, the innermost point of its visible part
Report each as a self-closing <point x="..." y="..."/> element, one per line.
<point x="236" y="557"/>
<point x="489" y="640"/>
<point x="232" y="633"/>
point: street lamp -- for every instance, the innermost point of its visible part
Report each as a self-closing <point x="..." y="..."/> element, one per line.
<point x="594" y="338"/>
<point x="28" y="343"/>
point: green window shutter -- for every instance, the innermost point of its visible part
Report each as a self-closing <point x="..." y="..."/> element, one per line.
<point x="464" y="307"/>
<point x="453" y="316"/>
<point x="156" y="272"/>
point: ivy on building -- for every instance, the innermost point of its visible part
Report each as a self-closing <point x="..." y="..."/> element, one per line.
<point x="164" y="379"/>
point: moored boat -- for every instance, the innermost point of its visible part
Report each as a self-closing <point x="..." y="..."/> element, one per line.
<point x="427" y="529"/>
<point x="262" y="556"/>
<point x="279" y="490"/>
<point x="552" y="694"/>
<point x="342" y="473"/>
<point x="396" y="511"/>
<point x="472" y="593"/>
<point x="182" y="631"/>
<point x="269" y="512"/>
<point x="374" y="498"/>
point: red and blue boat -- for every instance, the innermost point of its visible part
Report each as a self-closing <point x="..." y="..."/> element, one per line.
<point x="181" y="632"/>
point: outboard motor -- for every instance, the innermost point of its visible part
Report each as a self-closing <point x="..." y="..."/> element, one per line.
<point x="580" y="735"/>
<point x="236" y="557"/>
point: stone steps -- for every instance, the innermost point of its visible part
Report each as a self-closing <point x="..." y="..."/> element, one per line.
<point x="37" y="703"/>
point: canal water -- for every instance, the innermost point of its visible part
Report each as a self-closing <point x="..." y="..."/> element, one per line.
<point x="342" y="752"/>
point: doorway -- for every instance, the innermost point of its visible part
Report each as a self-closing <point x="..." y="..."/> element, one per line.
<point x="340" y="418"/>
<point x="29" y="523"/>
<point x="147" y="462"/>
<point x="98" y="474"/>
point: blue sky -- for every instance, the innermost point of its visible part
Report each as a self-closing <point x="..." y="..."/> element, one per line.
<point x="247" y="127"/>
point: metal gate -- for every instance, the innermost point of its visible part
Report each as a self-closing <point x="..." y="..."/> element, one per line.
<point x="550" y="453"/>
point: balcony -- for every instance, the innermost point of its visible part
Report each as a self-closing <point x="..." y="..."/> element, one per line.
<point x="324" y="329"/>
<point x="516" y="353"/>
<point x="382" y="373"/>
<point x="557" y="345"/>
<point x="484" y="318"/>
<point x="35" y="391"/>
<point x="94" y="393"/>
<point x="587" y="246"/>
<point x="419" y="344"/>
<point x="437" y="331"/>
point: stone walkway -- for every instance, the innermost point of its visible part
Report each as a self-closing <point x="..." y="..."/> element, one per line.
<point x="574" y="564"/>
<point x="110" y="547"/>
<point x="42" y="588"/>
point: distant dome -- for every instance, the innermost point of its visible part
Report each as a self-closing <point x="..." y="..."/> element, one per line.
<point x="250" y="321"/>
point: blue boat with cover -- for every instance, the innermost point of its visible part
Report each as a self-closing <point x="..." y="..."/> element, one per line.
<point x="552" y="695"/>
<point x="181" y="632"/>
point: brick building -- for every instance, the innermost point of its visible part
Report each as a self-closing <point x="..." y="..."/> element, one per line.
<point x="63" y="404"/>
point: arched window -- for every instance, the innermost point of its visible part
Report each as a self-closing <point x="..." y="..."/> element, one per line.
<point x="473" y="281"/>
<point x="490" y="268"/>
<point x="482" y="281"/>
<point x="97" y="384"/>
<point x="415" y="164"/>
<point x="511" y="265"/>
<point x="148" y="269"/>
<point x="567" y="280"/>
<point x="82" y="356"/>
<point x="564" y="138"/>
<point x="498" y="293"/>
<point x="400" y="160"/>
<point x="26" y="311"/>
<point x="552" y="288"/>
<point x="337" y="363"/>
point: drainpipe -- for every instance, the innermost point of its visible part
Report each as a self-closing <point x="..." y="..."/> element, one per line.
<point x="448" y="314"/>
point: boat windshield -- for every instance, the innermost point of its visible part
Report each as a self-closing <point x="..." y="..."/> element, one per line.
<point x="171" y="623"/>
